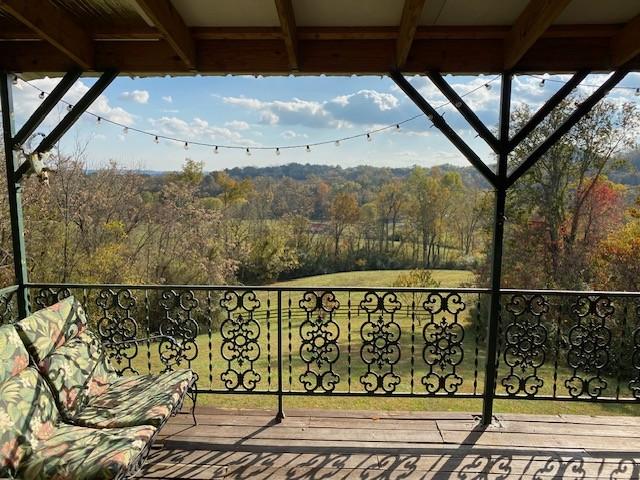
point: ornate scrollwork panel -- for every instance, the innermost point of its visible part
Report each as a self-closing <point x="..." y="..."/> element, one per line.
<point x="7" y="313"/>
<point x="443" y="336"/>
<point x="240" y="333"/>
<point x="178" y="327"/>
<point x="525" y="341"/>
<point x="50" y="295"/>
<point x="116" y="325"/>
<point x="589" y="346"/>
<point x="319" y="341"/>
<point x="380" y="349"/>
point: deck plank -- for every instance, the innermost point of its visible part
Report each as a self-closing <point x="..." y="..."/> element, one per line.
<point x="364" y="445"/>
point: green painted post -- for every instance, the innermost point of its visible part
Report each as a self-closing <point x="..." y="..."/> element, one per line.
<point x="498" y="240"/>
<point x="14" y="191"/>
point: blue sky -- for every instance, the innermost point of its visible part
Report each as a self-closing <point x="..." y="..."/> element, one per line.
<point x="279" y="111"/>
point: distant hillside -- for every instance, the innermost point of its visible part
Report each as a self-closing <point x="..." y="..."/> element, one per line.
<point x="363" y="174"/>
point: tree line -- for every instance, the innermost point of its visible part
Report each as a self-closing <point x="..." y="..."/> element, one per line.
<point x="570" y="223"/>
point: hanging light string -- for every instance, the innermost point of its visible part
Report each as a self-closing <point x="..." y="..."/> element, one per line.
<point x="307" y="146"/>
<point x="543" y="80"/>
<point x="219" y="146"/>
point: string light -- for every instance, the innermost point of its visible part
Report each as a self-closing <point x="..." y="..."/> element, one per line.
<point x="307" y="147"/>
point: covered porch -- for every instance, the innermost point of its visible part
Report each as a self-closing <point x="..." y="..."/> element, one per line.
<point x="431" y="345"/>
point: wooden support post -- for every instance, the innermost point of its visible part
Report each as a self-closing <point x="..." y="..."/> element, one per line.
<point x="14" y="191"/>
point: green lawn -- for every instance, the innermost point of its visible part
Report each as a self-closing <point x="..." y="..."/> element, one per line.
<point x="410" y="367"/>
<point x="376" y="278"/>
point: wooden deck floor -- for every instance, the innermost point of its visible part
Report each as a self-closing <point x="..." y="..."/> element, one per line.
<point x="243" y="444"/>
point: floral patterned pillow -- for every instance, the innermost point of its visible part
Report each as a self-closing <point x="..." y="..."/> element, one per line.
<point x="28" y="414"/>
<point x="13" y="356"/>
<point x="50" y="328"/>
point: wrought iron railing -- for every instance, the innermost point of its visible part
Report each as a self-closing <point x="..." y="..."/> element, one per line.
<point x="553" y="345"/>
<point x="8" y="304"/>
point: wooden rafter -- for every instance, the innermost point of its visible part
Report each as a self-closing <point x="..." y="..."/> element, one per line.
<point x="289" y="35"/>
<point x="168" y="21"/>
<point x="332" y="57"/>
<point x="534" y="20"/>
<point x="54" y="26"/>
<point x="408" y="26"/>
<point x="626" y="44"/>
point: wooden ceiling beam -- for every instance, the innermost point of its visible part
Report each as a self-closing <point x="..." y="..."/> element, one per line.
<point x="534" y="20"/>
<point x="411" y="12"/>
<point x="168" y="21"/>
<point x="54" y="26"/>
<point x="626" y="44"/>
<point x="336" y="57"/>
<point x="13" y="32"/>
<point x="289" y="32"/>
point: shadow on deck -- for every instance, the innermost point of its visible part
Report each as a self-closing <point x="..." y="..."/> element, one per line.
<point x="368" y="445"/>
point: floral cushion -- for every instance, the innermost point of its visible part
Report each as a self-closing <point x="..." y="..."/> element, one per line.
<point x="71" y="452"/>
<point x="143" y="400"/>
<point x="75" y="370"/>
<point x="50" y="328"/>
<point x="27" y="414"/>
<point x="13" y="356"/>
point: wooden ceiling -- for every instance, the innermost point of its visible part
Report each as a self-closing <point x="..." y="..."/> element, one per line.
<point x="308" y="37"/>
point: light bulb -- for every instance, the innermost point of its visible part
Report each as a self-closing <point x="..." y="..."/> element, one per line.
<point x="542" y="82"/>
<point x="487" y="86"/>
<point x="125" y="130"/>
<point x="215" y="150"/>
<point x="14" y="80"/>
<point x="308" y="149"/>
<point x="99" y="120"/>
<point x="277" y="151"/>
<point x="398" y="126"/>
<point x="186" y="145"/>
<point x="156" y="139"/>
<point x="248" y="152"/>
<point x="41" y="96"/>
<point x="368" y="137"/>
<point x="337" y="143"/>
<point x="637" y="92"/>
<point x="69" y="107"/>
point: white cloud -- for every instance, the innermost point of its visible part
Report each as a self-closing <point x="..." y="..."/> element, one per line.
<point x="138" y="96"/>
<point x="237" y="125"/>
<point x="26" y="100"/>
<point x="292" y="112"/>
<point x="168" y="99"/>
<point x="290" y="134"/>
<point x="198" y="129"/>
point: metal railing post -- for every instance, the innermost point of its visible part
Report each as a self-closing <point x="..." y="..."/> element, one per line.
<point x="14" y="193"/>
<point x="280" y="414"/>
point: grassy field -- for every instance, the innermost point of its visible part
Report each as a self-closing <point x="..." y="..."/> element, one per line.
<point x="349" y="319"/>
